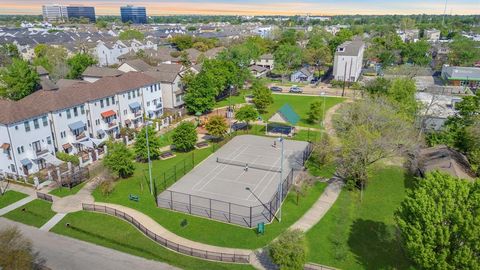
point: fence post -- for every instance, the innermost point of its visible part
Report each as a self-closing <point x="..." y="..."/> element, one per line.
<point x="210" y="200"/>
<point x="230" y="212"/>
<point x="171" y="200"/>
<point x="250" y="216"/>
<point x="190" y="203"/>
<point x="193" y="158"/>
<point x="175" y="172"/>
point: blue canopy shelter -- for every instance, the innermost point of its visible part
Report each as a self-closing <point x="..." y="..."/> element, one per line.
<point x="284" y="121"/>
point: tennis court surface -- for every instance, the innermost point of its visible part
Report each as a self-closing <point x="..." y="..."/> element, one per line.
<point x="240" y="182"/>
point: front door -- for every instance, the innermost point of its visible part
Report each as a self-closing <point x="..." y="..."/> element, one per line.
<point x="36" y="146"/>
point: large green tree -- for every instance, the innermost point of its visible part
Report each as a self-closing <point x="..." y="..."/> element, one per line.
<point x="140" y="146"/>
<point x="246" y="114"/>
<point x="119" y="159"/>
<point x="131" y="34"/>
<point x="402" y="92"/>
<point x="287" y="58"/>
<point x="315" y="111"/>
<point x="53" y="59"/>
<point x="417" y="53"/>
<point x="217" y="126"/>
<point x="289" y="251"/>
<point x="463" y="51"/>
<point x="185" y="136"/>
<point x="440" y="223"/>
<point x="262" y="96"/>
<point x="201" y="93"/>
<point x="18" y="80"/>
<point x="8" y="52"/>
<point x="78" y="63"/>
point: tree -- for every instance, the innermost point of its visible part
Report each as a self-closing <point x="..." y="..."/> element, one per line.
<point x="8" y="52"/>
<point x="342" y="36"/>
<point x="53" y="59"/>
<point x="217" y="126"/>
<point x="17" y="251"/>
<point x="78" y="64"/>
<point x="439" y="223"/>
<point x="417" y="53"/>
<point x="246" y="114"/>
<point x="18" y="80"/>
<point x="287" y="57"/>
<point x="370" y="130"/>
<point x="463" y="52"/>
<point x="262" y="96"/>
<point x="315" y="111"/>
<point x="402" y="92"/>
<point x="378" y="87"/>
<point x="289" y="251"/>
<point x="100" y="24"/>
<point x="185" y="136"/>
<point x="131" y="34"/>
<point x="154" y="143"/>
<point x="119" y="160"/>
<point x="201" y="93"/>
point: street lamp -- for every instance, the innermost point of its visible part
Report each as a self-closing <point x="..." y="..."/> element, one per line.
<point x="280" y="186"/>
<point x="147" y="124"/>
<point x="323" y="115"/>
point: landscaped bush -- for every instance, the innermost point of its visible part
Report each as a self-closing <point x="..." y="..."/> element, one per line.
<point x="107" y="187"/>
<point x="68" y="158"/>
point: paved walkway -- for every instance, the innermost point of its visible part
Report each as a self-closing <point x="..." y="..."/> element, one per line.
<point x="153" y="226"/>
<point x="16" y="205"/>
<point x="321" y="206"/>
<point x="62" y="252"/>
<point x="73" y="203"/>
<point x="52" y="222"/>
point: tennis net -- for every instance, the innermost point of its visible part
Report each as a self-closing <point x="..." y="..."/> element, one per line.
<point x="245" y="164"/>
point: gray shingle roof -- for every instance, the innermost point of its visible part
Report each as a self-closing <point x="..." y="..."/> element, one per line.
<point x="350" y="48"/>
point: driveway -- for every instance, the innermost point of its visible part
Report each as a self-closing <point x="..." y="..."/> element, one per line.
<point x="63" y="252"/>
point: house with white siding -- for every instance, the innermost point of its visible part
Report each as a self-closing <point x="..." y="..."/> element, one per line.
<point x="348" y="61"/>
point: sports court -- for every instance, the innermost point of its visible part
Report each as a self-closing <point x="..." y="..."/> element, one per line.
<point x="217" y="187"/>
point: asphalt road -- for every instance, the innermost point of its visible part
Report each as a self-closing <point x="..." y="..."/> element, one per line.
<point x="63" y="252"/>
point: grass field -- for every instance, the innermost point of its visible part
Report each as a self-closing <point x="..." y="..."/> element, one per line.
<point x="37" y="213"/>
<point x="205" y="230"/>
<point x="111" y="232"/>
<point x="238" y="99"/>
<point x="362" y="235"/>
<point x="301" y="105"/>
<point x="10" y="197"/>
<point x="65" y="191"/>
<point x="166" y="139"/>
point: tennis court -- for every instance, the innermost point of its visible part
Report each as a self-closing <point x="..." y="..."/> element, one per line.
<point x="217" y="187"/>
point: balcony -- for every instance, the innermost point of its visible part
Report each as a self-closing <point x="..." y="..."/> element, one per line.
<point x="80" y="136"/>
<point x="41" y="152"/>
<point x="112" y="125"/>
<point x="137" y="114"/>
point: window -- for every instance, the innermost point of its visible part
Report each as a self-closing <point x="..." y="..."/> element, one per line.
<point x="129" y="95"/>
<point x="113" y="100"/>
<point x="133" y="94"/>
<point x="75" y="111"/>
<point x="108" y="101"/>
<point x="124" y="112"/>
<point x="154" y="102"/>
<point x="148" y="103"/>
<point x="69" y="114"/>
<point x="45" y="121"/>
<point x="151" y="90"/>
<point x="101" y="103"/>
<point x="20" y="149"/>
<point x="138" y="92"/>
<point x="27" y="126"/>
<point x="16" y="127"/>
<point x="88" y="123"/>
<point x="82" y="109"/>
<point x="12" y="167"/>
<point x="49" y="140"/>
<point x="35" y="124"/>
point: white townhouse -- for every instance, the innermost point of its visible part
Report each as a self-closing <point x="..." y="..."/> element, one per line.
<point x="348" y="61"/>
<point x="26" y="137"/>
<point x="73" y="118"/>
<point x="170" y="78"/>
<point x="107" y="53"/>
<point x="266" y="61"/>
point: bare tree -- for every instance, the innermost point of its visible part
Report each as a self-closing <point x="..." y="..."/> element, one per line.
<point x="370" y="130"/>
<point x="17" y="251"/>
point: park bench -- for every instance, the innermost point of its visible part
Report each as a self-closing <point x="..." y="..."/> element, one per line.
<point x="133" y="197"/>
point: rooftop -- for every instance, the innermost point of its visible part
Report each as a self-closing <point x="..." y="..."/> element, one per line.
<point x="462" y="73"/>
<point x="350" y="48"/>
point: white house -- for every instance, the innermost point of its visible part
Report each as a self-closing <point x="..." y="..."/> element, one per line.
<point x="432" y="35"/>
<point x="266" y="61"/>
<point x="107" y="53"/>
<point x="170" y="78"/>
<point x="348" y="61"/>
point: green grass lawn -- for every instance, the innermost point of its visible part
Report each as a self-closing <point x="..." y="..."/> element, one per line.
<point x="10" y="197"/>
<point x="301" y="135"/>
<point x="111" y="232"/>
<point x="65" y="191"/>
<point x="362" y="235"/>
<point x="166" y="139"/>
<point x="234" y="99"/>
<point x="301" y="105"/>
<point x="201" y="229"/>
<point x="37" y="213"/>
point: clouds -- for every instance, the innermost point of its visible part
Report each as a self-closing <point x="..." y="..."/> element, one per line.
<point x="257" y="7"/>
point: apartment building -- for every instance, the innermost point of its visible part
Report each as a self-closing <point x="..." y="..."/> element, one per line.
<point x="348" y="61"/>
<point x="54" y="13"/>
<point x="72" y="118"/>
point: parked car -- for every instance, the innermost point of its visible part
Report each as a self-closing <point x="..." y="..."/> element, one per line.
<point x="314" y="80"/>
<point x="296" y="89"/>
<point x="276" y="89"/>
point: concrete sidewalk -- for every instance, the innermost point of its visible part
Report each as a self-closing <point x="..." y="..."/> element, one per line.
<point x="321" y="206"/>
<point x="156" y="228"/>
<point x="16" y="205"/>
<point x="52" y="222"/>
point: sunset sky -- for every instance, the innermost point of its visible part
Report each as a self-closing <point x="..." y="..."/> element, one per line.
<point x="257" y="7"/>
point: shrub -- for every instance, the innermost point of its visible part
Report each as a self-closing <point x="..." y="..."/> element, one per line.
<point x="68" y="158"/>
<point x="185" y="136"/>
<point x="289" y="251"/>
<point x="107" y="187"/>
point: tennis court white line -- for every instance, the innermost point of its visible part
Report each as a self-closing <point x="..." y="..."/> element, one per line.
<point x="219" y="171"/>
<point x="270" y="181"/>
<point x="262" y="180"/>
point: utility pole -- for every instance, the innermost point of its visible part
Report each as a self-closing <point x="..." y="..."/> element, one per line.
<point x="344" y="79"/>
<point x="444" y="12"/>
<point x="280" y="187"/>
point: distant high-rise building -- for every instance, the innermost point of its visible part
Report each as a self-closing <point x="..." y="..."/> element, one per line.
<point x="81" y="12"/>
<point x="133" y="14"/>
<point x="54" y="12"/>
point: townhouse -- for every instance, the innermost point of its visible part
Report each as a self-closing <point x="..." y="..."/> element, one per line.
<point x="74" y="118"/>
<point x="348" y="61"/>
